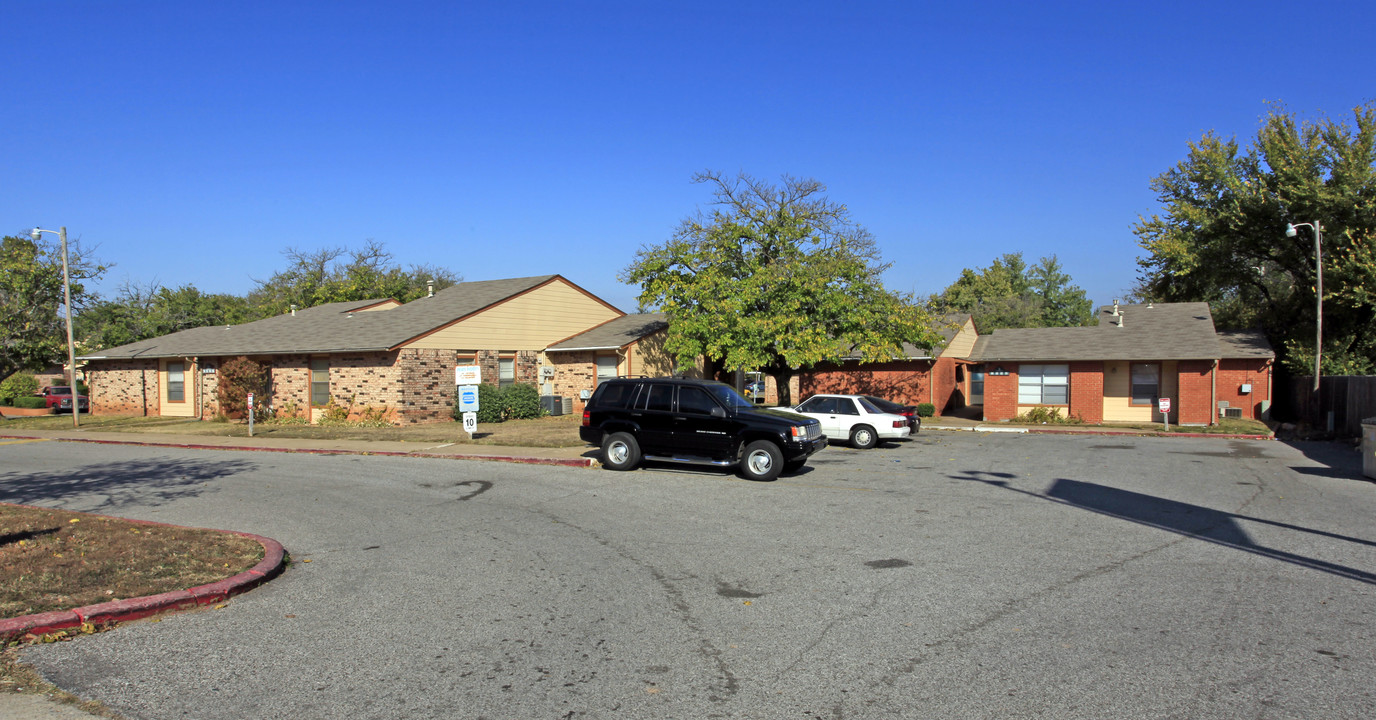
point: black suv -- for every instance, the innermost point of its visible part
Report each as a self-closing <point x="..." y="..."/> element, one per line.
<point x="695" y="421"/>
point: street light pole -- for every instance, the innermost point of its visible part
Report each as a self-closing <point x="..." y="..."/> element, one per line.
<point x="67" y="303"/>
<point x="1290" y="231"/>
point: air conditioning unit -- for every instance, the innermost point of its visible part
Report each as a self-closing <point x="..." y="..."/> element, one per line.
<point x="1232" y="412"/>
<point x="552" y="404"/>
<point x="568" y="406"/>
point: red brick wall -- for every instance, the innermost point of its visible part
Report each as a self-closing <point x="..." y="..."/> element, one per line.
<point x="426" y="379"/>
<point x="1001" y="393"/>
<point x="1087" y="391"/>
<point x="943" y="380"/>
<point x="906" y="381"/>
<point x="1196" y="393"/>
<point x="123" y="387"/>
<point x="1231" y="376"/>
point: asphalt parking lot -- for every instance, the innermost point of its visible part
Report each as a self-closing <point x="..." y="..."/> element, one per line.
<point x="956" y="575"/>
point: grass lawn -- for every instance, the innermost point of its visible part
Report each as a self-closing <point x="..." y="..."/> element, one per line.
<point x="60" y="560"/>
<point x="555" y="431"/>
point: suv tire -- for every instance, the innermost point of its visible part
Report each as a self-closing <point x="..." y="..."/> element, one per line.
<point x="762" y="461"/>
<point x="863" y="437"/>
<point x="620" y="451"/>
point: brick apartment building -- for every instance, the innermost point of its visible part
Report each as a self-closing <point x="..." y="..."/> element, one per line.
<point x="384" y="355"/>
<point x="1118" y="370"/>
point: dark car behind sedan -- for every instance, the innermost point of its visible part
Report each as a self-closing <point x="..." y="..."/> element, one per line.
<point x="909" y="412"/>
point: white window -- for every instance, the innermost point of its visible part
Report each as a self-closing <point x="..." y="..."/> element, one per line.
<point x="1044" y="385"/>
<point x="1146" y="383"/>
<point x="506" y="371"/>
<point x="176" y="382"/>
<point x="606" y="367"/>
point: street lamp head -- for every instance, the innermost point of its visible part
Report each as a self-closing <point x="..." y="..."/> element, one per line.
<point x="36" y="234"/>
<point x="1290" y="230"/>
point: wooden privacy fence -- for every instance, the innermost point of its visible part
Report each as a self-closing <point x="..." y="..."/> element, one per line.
<point x="1349" y="398"/>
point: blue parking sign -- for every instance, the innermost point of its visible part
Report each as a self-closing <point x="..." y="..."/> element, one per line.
<point x="468" y="398"/>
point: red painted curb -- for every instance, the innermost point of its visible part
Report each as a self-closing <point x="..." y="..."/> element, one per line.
<point x="135" y="608"/>
<point x="565" y="462"/>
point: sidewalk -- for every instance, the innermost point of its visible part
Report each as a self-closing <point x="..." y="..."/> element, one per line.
<point x="582" y="456"/>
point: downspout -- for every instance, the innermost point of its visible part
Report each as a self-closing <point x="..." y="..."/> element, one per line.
<point x="1213" y="392"/>
<point x="200" y="390"/>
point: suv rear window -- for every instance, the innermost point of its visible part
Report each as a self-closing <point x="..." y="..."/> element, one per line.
<point x="616" y="395"/>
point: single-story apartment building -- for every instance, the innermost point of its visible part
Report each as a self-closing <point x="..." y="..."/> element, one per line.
<point x="1118" y="370"/>
<point x="934" y="375"/>
<point x="383" y="354"/>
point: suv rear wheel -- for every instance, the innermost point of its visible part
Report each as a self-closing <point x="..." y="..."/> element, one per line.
<point x="762" y="461"/>
<point x="620" y="451"/>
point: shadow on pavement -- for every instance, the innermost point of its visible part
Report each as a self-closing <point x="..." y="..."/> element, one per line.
<point x="1194" y="521"/>
<point x="146" y="482"/>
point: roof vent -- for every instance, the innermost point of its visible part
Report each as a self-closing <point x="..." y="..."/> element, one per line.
<point x="1115" y="307"/>
<point x="293" y="310"/>
<point x="351" y="313"/>
<point x="429" y="288"/>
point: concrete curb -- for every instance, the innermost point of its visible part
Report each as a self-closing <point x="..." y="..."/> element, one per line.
<point x="1108" y="433"/>
<point x="134" y="608"/>
<point x="526" y="460"/>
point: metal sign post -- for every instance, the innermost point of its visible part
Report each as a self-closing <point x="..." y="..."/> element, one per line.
<point x="467" y="378"/>
<point x="250" y="414"/>
<point x="1165" y="404"/>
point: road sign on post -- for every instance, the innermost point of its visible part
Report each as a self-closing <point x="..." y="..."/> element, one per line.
<point x="470" y="423"/>
<point x="250" y="414"/>
<point x="1165" y="405"/>
<point x="468" y="398"/>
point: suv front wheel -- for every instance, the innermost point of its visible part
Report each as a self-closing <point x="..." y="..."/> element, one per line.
<point x="620" y="451"/>
<point x="762" y="461"/>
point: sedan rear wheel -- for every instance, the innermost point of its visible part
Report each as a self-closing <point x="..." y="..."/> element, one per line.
<point x="863" y="437"/>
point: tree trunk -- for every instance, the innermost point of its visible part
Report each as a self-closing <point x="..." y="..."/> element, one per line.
<point x="782" y="377"/>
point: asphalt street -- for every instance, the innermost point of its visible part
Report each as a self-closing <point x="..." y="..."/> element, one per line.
<point x="957" y="575"/>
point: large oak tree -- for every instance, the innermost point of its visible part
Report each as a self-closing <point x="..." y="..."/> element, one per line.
<point x="1221" y="235"/>
<point x="774" y="278"/>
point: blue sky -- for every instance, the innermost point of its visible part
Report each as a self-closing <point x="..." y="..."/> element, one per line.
<point x="192" y="142"/>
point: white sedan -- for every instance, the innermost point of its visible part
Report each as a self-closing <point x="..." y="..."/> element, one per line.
<point x="855" y="418"/>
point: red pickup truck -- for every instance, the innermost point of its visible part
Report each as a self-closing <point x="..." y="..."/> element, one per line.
<point x="60" y="397"/>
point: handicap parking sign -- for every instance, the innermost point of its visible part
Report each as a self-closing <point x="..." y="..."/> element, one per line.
<point x="468" y="398"/>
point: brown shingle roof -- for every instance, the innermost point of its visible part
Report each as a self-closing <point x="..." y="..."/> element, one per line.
<point x="614" y="334"/>
<point x="334" y="327"/>
<point x="1244" y="344"/>
<point x="1163" y="331"/>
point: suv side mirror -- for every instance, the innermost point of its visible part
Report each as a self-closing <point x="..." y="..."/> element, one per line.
<point x="717" y="412"/>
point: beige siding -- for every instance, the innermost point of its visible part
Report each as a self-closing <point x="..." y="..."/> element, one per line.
<point x="647" y="356"/>
<point x="964" y="341"/>
<point x="382" y="306"/>
<point x="185" y="408"/>
<point x="1118" y="405"/>
<point x="532" y="321"/>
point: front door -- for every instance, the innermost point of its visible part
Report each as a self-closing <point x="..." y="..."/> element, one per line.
<point x="174" y="390"/>
<point x="976" y="385"/>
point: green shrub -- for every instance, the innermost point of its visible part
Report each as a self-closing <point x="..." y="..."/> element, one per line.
<point x="926" y="409"/>
<point x="521" y="402"/>
<point x="30" y="402"/>
<point x="18" y="385"/>
<point x="490" y="408"/>
<point x="1043" y="415"/>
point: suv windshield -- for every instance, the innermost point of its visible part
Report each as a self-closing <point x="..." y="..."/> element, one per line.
<point x="727" y="395"/>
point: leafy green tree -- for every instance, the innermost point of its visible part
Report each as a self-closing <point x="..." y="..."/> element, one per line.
<point x="324" y="276"/>
<point x="141" y="312"/>
<point x="774" y="278"/>
<point x="32" y="330"/>
<point x="1008" y="294"/>
<point x="1221" y="236"/>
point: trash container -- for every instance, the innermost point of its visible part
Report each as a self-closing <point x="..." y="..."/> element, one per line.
<point x="1369" y="447"/>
